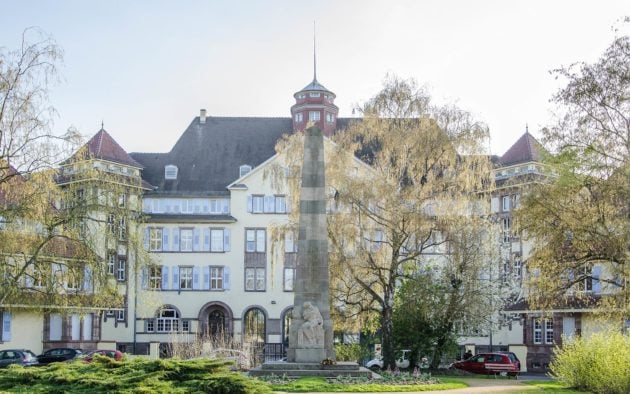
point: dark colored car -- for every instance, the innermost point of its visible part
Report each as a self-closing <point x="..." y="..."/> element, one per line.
<point x="57" y="355"/>
<point x="115" y="354"/>
<point x="490" y="363"/>
<point x="17" y="356"/>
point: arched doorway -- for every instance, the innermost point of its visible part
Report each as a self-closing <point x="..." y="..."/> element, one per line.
<point x="215" y="320"/>
<point x="216" y="323"/>
<point x="254" y="326"/>
<point x="287" y="317"/>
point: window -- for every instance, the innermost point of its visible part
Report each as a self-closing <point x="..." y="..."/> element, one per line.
<point x="281" y="204"/>
<point x="518" y="267"/>
<point x="516" y="200"/>
<point x="254" y="279"/>
<point x="122" y="200"/>
<point x="120" y="315"/>
<point x="299" y="117"/>
<point x="244" y="170"/>
<point x="155" y="239"/>
<point x="120" y="273"/>
<point x="155" y="278"/>
<point x="314" y="94"/>
<point x="507" y="225"/>
<point x="289" y="277"/>
<point x="74" y="279"/>
<point x="216" y="278"/>
<point x="185" y="326"/>
<point x="289" y="243"/>
<point x="330" y="117"/>
<point x="185" y="240"/>
<point x="122" y="228"/>
<point x="255" y="241"/>
<point x="314" y="116"/>
<point x="170" y="172"/>
<point x="254" y="325"/>
<point x="111" y="262"/>
<point x="548" y="331"/>
<point x="150" y="325"/>
<point x="168" y="320"/>
<point x="111" y="223"/>
<point x="505" y="201"/>
<point x="537" y="331"/>
<point x="216" y="240"/>
<point x="185" y="278"/>
<point x="547" y="324"/>
<point x="258" y="204"/>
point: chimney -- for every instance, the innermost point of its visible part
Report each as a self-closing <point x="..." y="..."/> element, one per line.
<point x="202" y="116"/>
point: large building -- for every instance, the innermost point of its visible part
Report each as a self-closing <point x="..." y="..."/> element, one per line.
<point x="209" y="214"/>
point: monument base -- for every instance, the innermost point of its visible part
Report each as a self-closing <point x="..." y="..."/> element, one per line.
<point x="296" y="370"/>
<point x="310" y="355"/>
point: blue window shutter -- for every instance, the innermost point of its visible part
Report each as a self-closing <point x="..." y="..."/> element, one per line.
<point x="288" y="203"/>
<point x="196" y="240"/>
<point x="165" y="244"/>
<point x="146" y="238"/>
<point x="145" y="277"/>
<point x="226" y="278"/>
<point x="267" y="204"/>
<point x="597" y="284"/>
<point x="226" y="240"/>
<point x="206" y="277"/>
<point x="6" y="326"/>
<point x="249" y="204"/>
<point x="206" y="239"/>
<point x="165" y="281"/>
<point x="195" y="278"/>
<point x="225" y="206"/>
<point x="87" y="279"/>
<point x="175" y="278"/>
<point x="175" y="243"/>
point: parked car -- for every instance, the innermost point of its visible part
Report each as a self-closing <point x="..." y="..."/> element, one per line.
<point x="402" y="361"/>
<point x="57" y="355"/>
<point x="88" y="357"/>
<point x="490" y="363"/>
<point x="17" y="356"/>
<point x="513" y="357"/>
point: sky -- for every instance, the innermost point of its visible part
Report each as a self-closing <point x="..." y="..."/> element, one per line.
<point x="145" y="68"/>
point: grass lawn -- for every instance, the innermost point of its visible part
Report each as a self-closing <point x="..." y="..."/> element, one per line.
<point x="316" y="385"/>
<point x="550" y="387"/>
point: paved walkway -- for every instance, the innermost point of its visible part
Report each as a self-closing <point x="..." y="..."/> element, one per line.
<point x="478" y="386"/>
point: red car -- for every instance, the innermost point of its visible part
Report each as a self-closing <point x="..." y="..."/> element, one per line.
<point x="490" y="363"/>
<point x="115" y="354"/>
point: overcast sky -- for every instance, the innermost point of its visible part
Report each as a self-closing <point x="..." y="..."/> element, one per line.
<point x="145" y="68"/>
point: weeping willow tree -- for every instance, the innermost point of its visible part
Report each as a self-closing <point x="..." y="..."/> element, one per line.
<point x="56" y="222"/>
<point x="399" y="180"/>
<point x="580" y="220"/>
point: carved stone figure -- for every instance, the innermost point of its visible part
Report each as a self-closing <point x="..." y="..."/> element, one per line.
<point x="311" y="333"/>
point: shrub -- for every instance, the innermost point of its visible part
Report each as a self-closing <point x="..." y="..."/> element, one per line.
<point x="139" y="375"/>
<point x="349" y="352"/>
<point x="599" y="363"/>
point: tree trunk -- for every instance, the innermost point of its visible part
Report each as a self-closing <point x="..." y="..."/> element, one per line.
<point x="389" y="359"/>
<point x="440" y="344"/>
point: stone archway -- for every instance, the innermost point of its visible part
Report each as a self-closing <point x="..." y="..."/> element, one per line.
<point x="216" y="319"/>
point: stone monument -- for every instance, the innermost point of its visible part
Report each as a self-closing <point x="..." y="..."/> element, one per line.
<point x="311" y="333"/>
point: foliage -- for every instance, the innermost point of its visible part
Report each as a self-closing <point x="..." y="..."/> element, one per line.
<point x="404" y="383"/>
<point x="581" y="220"/>
<point x="59" y="222"/>
<point x="599" y="363"/>
<point x="139" y="375"/>
<point x="350" y="352"/>
<point x="424" y="165"/>
<point x="548" y="386"/>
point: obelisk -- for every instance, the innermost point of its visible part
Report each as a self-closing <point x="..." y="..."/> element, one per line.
<point x="311" y="332"/>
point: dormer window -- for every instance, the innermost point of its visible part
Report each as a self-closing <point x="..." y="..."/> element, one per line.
<point x="314" y="94"/>
<point x="301" y="96"/>
<point x="244" y="170"/>
<point x="299" y="117"/>
<point x="170" y="172"/>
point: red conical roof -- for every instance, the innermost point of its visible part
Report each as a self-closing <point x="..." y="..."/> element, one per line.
<point x="103" y="146"/>
<point x="527" y="148"/>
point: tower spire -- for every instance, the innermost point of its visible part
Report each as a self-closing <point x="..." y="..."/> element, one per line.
<point x="314" y="55"/>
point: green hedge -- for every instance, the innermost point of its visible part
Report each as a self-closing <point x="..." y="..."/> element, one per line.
<point x="599" y="363"/>
<point x="349" y="352"/>
<point x="139" y="375"/>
